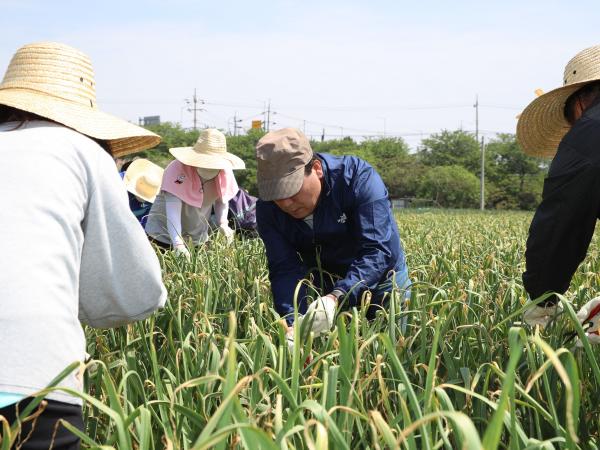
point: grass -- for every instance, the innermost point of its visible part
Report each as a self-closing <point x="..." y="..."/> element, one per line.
<point x="212" y="369"/>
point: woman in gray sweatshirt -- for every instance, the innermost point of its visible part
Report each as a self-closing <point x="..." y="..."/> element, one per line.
<point x="72" y="250"/>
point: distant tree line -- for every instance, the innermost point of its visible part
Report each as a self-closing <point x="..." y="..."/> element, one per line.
<point x="444" y="171"/>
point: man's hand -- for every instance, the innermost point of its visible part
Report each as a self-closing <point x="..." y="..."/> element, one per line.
<point x="541" y="315"/>
<point x="321" y="313"/>
<point x="289" y="338"/>
<point x="589" y="317"/>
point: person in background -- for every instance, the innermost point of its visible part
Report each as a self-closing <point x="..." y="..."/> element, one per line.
<point x="75" y="251"/>
<point x="142" y="180"/>
<point x="319" y="211"/>
<point x="564" y="123"/>
<point x="200" y="178"/>
<point x="242" y="213"/>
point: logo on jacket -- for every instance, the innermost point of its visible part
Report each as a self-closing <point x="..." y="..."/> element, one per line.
<point x="342" y="218"/>
<point x="180" y="179"/>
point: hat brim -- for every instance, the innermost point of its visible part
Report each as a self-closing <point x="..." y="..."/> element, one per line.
<point x="123" y="137"/>
<point x="542" y="124"/>
<point x="280" y="188"/>
<point x="143" y="197"/>
<point x="221" y="160"/>
<point x="136" y="169"/>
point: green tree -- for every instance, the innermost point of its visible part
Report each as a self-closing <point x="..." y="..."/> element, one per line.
<point x="244" y="146"/>
<point x="517" y="178"/>
<point x="399" y="170"/>
<point x="451" y="148"/>
<point x="450" y="187"/>
<point x="172" y="136"/>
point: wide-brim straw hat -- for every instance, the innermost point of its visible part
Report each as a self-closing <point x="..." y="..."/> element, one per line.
<point x="143" y="179"/>
<point x="56" y="81"/>
<point x="209" y="152"/>
<point x="542" y="124"/>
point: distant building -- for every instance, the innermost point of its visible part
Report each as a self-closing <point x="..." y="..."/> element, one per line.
<point x="398" y="203"/>
<point x="149" y="120"/>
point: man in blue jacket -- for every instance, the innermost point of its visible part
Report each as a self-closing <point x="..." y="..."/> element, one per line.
<point x="327" y="218"/>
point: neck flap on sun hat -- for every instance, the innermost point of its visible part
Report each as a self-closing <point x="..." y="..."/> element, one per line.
<point x="184" y="183"/>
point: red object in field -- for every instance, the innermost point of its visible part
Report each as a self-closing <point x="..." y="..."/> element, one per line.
<point x="593" y="313"/>
<point x="309" y="359"/>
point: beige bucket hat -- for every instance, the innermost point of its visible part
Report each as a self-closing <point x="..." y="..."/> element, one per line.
<point x="56" y="81"/>
<point x="143" y="179"/>
<point x="542" y="124"/>
<point x="281" y="157"/>
<point x="209" y="152"/>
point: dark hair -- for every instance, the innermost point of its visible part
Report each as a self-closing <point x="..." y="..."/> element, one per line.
<point x="587" y="96"/>
<point x="125" y="166"/>
<point x="10" y="114"/>
<point x="309" y="165"/>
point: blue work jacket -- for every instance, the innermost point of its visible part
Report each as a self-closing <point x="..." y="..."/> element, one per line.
<point x="354" y="237"/>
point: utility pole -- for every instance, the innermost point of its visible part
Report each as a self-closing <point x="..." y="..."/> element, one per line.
<point x="195" y="108"/>
<point x="269" y="115"/>
<point x="476" y="106"/>
<point x="323" y="135"/>
<point x="482" y="175"/>
<point x="235" y="123"/>
<point x="482" y="181"/>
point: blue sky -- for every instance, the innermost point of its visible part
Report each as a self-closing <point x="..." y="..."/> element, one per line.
<point x="353" y="68"/>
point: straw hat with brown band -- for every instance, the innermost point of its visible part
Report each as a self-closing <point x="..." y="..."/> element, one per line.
<point x="143" y="178"/>
<point x="542" y="125"/>
<point x="56" y="81"/>
<point x="209" y="152"/>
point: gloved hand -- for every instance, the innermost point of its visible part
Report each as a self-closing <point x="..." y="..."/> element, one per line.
<point x="590" y="314"/>
<point x="181" y="250"/>
<point x="321" y="313"/>
<point x="541" y="315"/>
<point x="227" y="232"/>
<point x="289" y="338"/>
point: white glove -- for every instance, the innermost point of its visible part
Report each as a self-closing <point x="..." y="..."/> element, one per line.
<point x="289" y="337"/>
<point x="590" y="313"/>
<point x="181" y="250"/>
<point x="542" y="315"/>
<point x="321" y="313"/>
<point x="227" y="232"/>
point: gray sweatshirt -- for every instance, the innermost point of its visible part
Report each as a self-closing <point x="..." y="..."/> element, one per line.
<point x="72" y="251"/>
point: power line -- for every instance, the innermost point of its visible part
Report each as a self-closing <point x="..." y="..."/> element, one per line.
<point x="348" y="108"/>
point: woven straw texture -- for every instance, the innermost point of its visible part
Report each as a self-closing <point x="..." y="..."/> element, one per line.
<point x="209" y="152"/>
<point x="56" y="81"/>
<point x="542" y="124"/>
